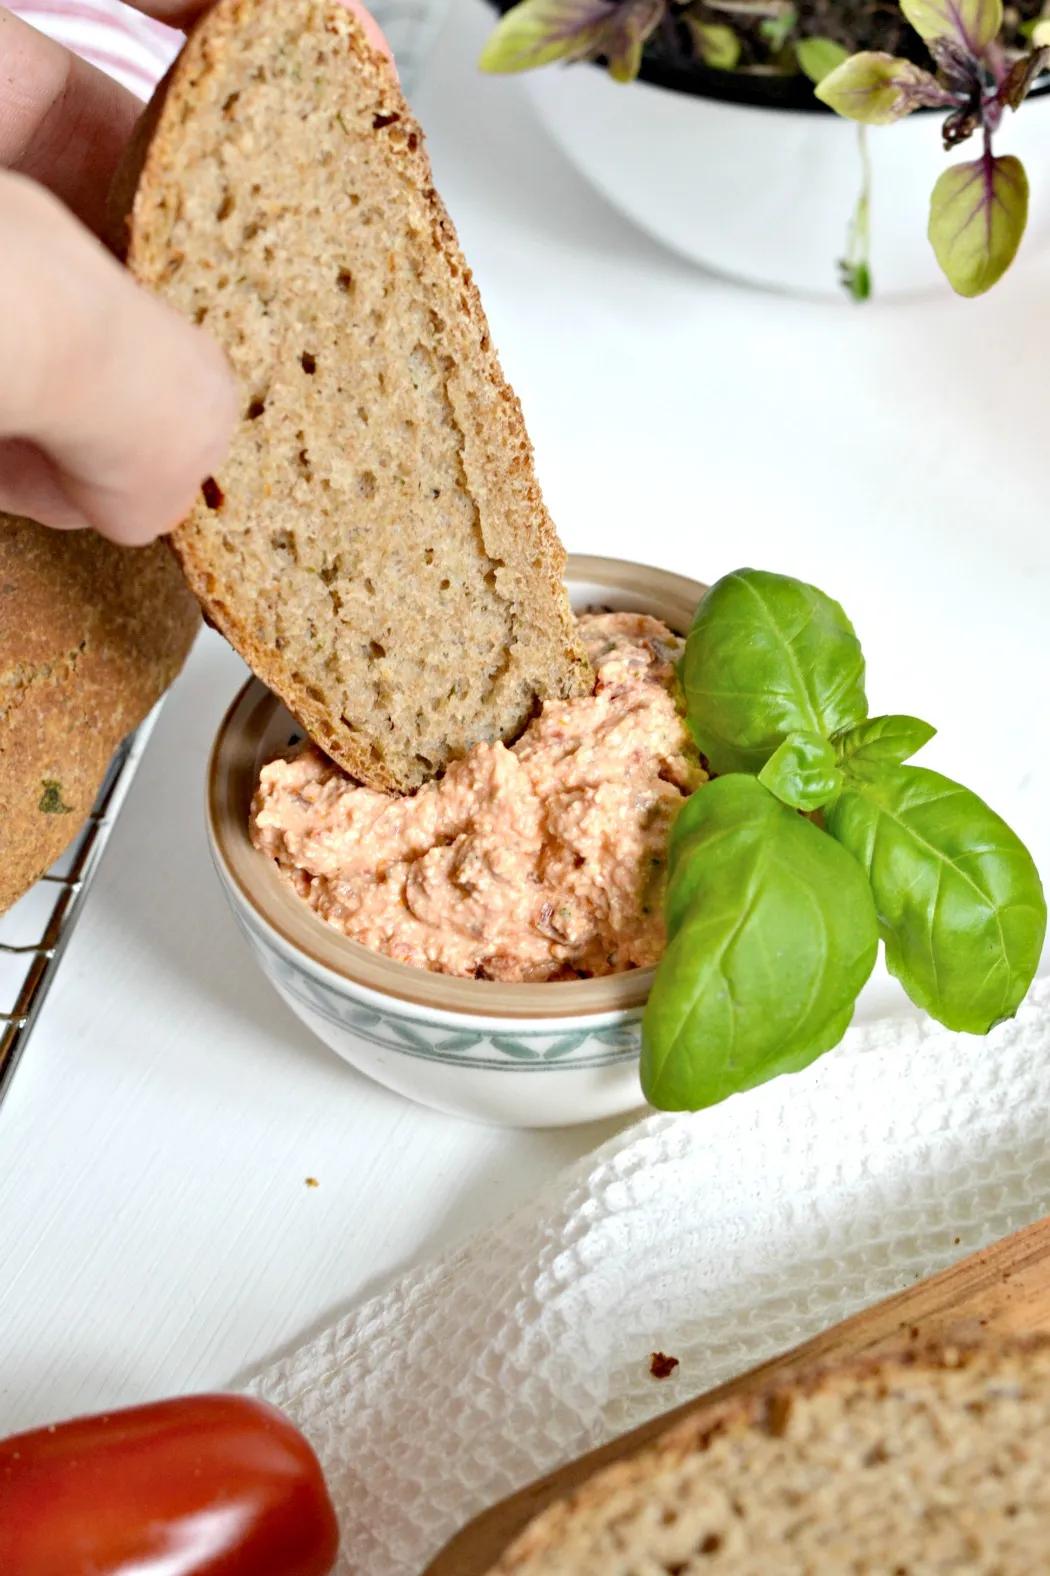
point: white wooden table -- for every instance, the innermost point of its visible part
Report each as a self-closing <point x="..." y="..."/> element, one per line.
<point x="156" y="1230"/>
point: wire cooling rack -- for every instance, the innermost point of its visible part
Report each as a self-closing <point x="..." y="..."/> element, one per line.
<point x="34" y="933"/>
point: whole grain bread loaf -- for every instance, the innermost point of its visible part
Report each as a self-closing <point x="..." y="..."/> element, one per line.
<point x="90" y="637"/>
<point x="932" y="1463"/>
<point x="376" y="545"/>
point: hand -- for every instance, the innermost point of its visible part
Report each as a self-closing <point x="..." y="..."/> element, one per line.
<point x="112" y="408"/>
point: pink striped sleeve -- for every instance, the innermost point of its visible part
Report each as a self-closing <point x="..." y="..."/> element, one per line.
<point x="132" y="48"/>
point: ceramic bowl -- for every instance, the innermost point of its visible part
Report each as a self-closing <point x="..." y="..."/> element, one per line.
<point x="763" y="193"/>
<point x="546" y="1055"/>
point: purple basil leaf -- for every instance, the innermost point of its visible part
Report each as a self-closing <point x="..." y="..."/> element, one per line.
<point x="974" y="24"/>
<point x="877" y="89"/>
<point x="958" y="68"/>
<point x="535" y="32"/>
<point x="978" y="213"/>
<point x="960" y="124"/>
<point x="1020" y="79"/>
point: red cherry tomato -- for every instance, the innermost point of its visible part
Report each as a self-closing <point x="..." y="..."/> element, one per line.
<point x="211" y="1485"/>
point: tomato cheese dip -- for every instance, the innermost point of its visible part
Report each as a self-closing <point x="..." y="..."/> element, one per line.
<point x="543" y="861"/>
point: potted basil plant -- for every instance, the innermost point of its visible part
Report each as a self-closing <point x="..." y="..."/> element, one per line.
<point x="725" y="146"/>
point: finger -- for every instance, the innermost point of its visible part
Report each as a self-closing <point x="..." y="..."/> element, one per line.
<point x="30" y="486"/>
<point x="61" y="121"/>
<point x="180" y="13"/>
<point x="131" y="406"/>
<point x="66" y="124"/>
<point x="176" y="13"/>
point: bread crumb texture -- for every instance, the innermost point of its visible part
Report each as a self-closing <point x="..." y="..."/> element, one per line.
<point x="906" y="1468"/>
<point x="91" y="635"/>
<point x="376" y="545"/>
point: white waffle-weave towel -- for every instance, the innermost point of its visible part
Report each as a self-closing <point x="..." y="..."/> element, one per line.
<point x="720" y="1238"/>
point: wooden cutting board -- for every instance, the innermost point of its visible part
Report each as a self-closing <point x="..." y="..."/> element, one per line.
<point x="1004" y="1289"/>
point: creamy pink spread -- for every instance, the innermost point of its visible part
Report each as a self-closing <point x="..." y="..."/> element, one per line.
<point x="538" y="862"/>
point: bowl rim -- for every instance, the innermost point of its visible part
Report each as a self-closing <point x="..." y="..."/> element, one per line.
<point x="255" y="884"/>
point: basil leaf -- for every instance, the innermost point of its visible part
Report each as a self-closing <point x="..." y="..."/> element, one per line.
<point x="972" y="24"/>
<point x="1022" y="76"/>
<point x="960" y="73"/>
<point x="978" y="214"/>
<point x="772" y="934"/>
<point x="776" y="26"/>
<point x="818" y="57"/>
<point x="767" y="656"/>
<point x="717" y="45"/>
<point x="802" y="772"/>
<point x="535" y="32"/>
<point x="877" y="89"/>
<point x="891" y="739"/>
<point x="960" y="904"/>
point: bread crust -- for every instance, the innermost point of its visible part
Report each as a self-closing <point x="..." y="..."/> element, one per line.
<point x="153" y="168"/>
<point x="91" y="635"/>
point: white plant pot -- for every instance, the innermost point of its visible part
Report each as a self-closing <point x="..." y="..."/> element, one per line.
<point x="765" y="194"/>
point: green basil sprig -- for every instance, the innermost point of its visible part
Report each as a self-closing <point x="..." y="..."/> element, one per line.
<point x="768" y="656"/>
<point x="772" y="918"/>
<point x="891" y="739"/>
<point x="960" y="905"/>
<point x="802" y="771"/>
<point x="772" y="933"/>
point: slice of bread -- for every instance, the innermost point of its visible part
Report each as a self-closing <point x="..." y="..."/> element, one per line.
<point x="376" y="545"/>
<point x="91" y="635"/>
<point x="938" y="1462"/>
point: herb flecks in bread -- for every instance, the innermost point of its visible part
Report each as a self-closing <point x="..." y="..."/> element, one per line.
<point x="376" y="545"/>
<point x="91" y="635"/>
<point x="51" y="799"/>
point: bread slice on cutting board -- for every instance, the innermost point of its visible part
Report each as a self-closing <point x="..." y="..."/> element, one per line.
<point x="935" y="1463"/>
<point x="376" y="545"/>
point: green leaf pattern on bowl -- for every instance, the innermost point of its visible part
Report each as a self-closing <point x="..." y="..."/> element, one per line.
<point x="533" y="1050"/>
